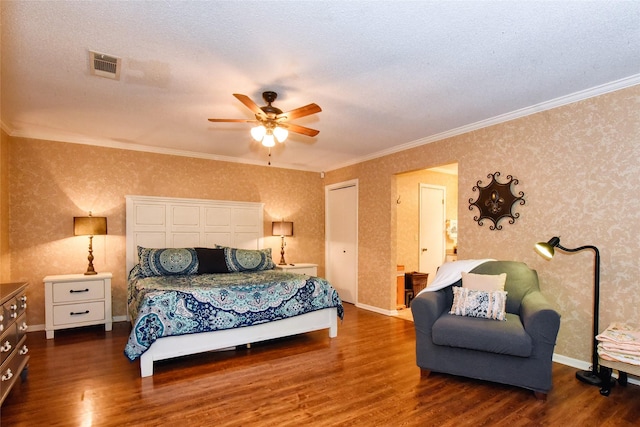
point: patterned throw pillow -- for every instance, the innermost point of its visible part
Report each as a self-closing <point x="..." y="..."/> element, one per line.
<point x="167" y="261"/>
<point x="468" y="302"/>
<point x="248" y="259"/>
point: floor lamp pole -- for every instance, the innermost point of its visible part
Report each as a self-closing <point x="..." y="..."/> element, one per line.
<point x="592" y="376"/>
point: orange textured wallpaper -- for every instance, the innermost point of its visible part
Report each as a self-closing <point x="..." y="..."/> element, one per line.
<point x="579" y="170"/>
<point x="51" y="182"/>
<point x="5" y="252"/>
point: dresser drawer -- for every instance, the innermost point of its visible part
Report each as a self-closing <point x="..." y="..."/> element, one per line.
<point x="78" y="313"/>
<point x="78" y="291"/>
<point x="9" y="312"/>
<point x="11" y="369"/>
<point x="21" y="326"/>
<point x="8" y="342"/>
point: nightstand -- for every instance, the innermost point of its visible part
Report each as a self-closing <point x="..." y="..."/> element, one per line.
<point x="73" y="300"/>
<point x="300" y="268"/>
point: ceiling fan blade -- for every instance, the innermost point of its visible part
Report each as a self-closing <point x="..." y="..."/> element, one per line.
<point x="233" y="120"/>
<point x="250" y="104"/>
<point x="301" y="129"/>
<point x="299" y="112"/>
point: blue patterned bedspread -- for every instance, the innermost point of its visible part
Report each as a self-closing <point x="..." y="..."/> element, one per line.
<point x="179" y="305"/>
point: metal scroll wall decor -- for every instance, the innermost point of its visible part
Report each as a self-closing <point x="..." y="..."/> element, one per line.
<point x="496" y="201"/>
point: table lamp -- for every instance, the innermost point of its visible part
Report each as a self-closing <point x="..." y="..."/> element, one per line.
<point x="282" y="228"/>
<point x="90" y="226"/>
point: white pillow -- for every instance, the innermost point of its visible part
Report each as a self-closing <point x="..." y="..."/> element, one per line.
<point x="484" y="282"/>
<point x="488" y="305"/>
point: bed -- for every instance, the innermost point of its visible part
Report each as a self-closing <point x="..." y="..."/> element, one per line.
<point x="225" y="291"/>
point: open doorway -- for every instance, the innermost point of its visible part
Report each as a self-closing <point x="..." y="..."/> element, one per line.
<point x="408" y="217"/>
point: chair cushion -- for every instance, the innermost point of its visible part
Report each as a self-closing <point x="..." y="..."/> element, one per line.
<point x="483" y="334"/>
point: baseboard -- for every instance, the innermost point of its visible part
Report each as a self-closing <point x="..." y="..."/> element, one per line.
<point x="583" y="366"/>
<point x="377" y="309"/>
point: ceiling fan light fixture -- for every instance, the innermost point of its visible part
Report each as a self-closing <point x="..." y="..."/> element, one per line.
<point x="258" y="132"/>
<point x="281" y="134"/>
<point x="269" y="140"/>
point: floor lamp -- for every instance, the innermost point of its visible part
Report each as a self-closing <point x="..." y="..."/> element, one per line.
<point x="591" y="377"/>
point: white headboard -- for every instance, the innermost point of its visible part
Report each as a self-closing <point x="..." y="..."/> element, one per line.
<point x="164" y="222"/>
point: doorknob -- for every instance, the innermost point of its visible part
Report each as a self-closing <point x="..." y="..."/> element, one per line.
<point x="424" y="249"/>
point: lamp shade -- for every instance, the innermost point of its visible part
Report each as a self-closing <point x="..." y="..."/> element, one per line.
<point x="280" y="133"/>
<point x="89" y="225"/>
<point x="269" y="140"/>
<point x="282" y="228"/>
<point x="545" y="249"/>
<point x="258" y="132"/>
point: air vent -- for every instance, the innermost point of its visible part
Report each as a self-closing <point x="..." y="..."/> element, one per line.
<point x="104" y="65"/>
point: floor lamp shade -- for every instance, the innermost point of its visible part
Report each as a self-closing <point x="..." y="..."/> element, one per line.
<point x="282" y="228"/>
<point x="546" y="249"/>
<point x="90" y="226"/>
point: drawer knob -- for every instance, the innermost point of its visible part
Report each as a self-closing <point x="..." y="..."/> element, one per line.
<point x="24" y="350"/>
<point x="6" y="347"/>
<point x="78" y="313"/>
<point x="8" y="375"/>
<point x="23" y="327"/>
<point x="77" y="291"/>
<point x="23" y="298"/>
<point x="13" y="307"/>
<point x="1" y="327"/>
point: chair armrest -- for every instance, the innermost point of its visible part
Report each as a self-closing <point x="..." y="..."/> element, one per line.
<point x="539" y="318"/>
<point x="427" y="308"/>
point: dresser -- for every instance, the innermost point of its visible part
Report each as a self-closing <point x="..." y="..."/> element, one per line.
<point x="300" y="268"/>
<point x="73" y="300"/>
<point x="14" y="354"/>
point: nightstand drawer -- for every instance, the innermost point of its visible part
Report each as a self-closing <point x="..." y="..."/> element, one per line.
<point x="78" y="291"/>
<point x="78" y="313"/>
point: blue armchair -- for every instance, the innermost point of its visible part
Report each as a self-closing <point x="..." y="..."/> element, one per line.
<point x="517" y="351"/>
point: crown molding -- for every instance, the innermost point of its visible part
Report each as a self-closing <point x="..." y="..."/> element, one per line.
<point x="45" y="136"/>
<point x="523" y="112"/>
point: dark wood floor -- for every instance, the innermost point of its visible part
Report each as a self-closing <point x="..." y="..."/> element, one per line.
<point x="364" y="377"/>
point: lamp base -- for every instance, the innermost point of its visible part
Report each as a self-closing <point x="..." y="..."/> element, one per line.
<point x="589" y="377"/>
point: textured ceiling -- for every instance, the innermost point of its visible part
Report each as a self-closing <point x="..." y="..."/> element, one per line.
<point x="388" y="75"/>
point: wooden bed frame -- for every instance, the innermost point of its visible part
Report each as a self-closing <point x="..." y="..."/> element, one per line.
<point x="161" y="222"/>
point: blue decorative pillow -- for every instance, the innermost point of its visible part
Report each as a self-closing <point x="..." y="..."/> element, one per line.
<point x="167" y="261"/>
<point x="248" y="259"/>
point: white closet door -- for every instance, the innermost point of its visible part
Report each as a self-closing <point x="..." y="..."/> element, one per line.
<point x="342" y="239"/>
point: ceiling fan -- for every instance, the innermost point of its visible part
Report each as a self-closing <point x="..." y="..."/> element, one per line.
<point x="273" y="124"/>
